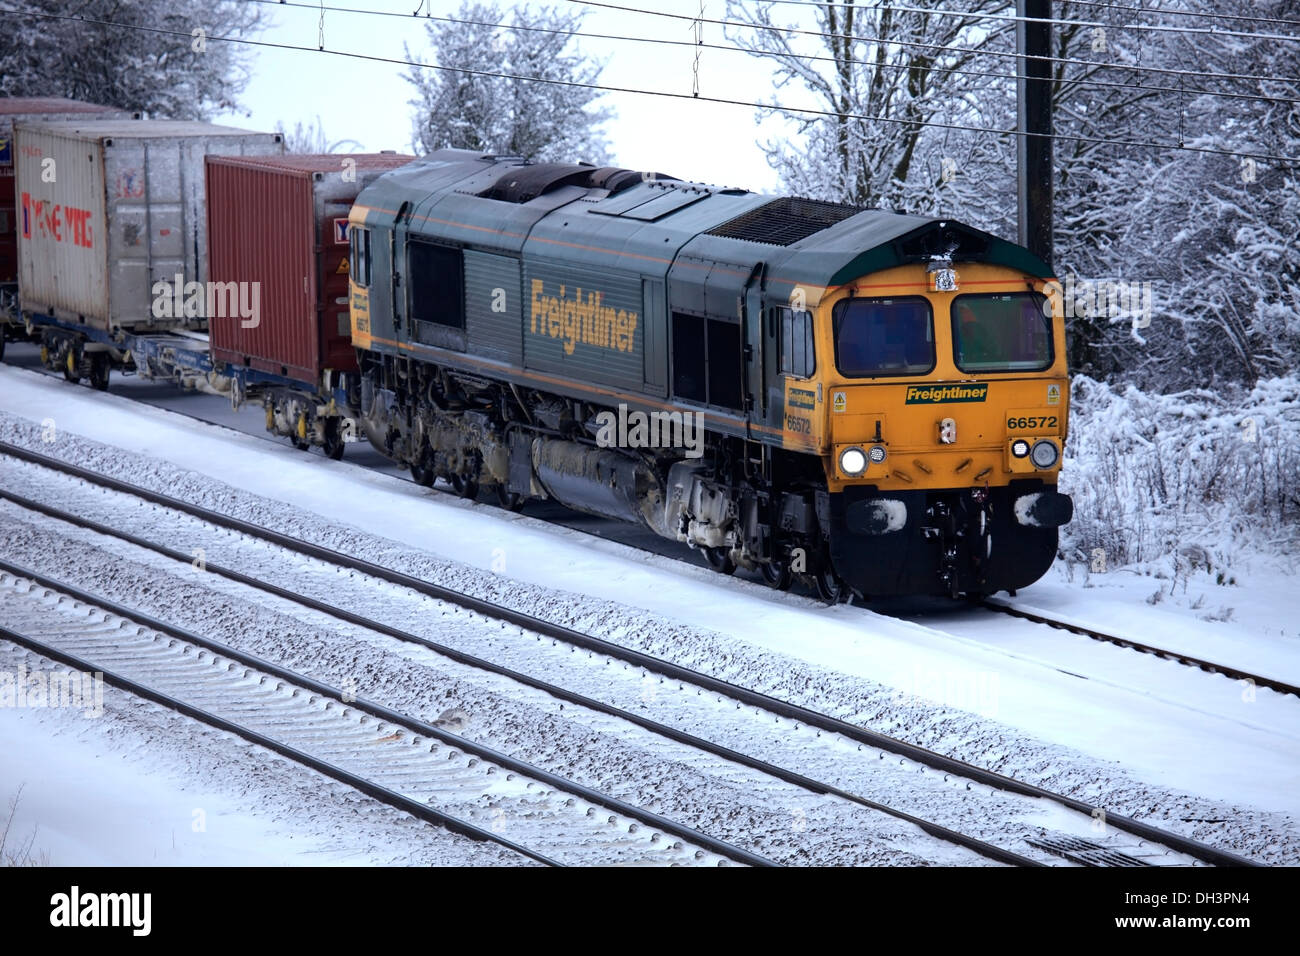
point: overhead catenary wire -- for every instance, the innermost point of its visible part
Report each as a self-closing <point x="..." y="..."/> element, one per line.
<point x="1134" y="144"/>
<point x="1185" y="13"/>
<point x="1015" y="18"/>
<point x="802" y="31"/>
<point x="808" y="57"/>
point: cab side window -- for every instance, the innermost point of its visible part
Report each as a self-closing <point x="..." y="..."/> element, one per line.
<point x="360" y="264"/>
<point x="798" y="357"/>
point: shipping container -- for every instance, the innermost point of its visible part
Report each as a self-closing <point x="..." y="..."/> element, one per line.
<point x="38" y="109"/>
<point x="277" y="229"/>
<point x="112" y="232"/>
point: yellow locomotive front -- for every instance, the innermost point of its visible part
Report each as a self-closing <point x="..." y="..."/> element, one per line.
<point x="943" y="427"/>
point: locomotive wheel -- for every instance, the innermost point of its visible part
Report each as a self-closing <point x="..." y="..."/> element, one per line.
<point x="508" y="499"/>
<point x="301" y="444"/>
<point x="70" y="371"/>
<point x="422" y="470"/>
<point x="776" y="574"/>
<point x="465" y="487"/>
<point x="719" y="559"/>
<point x="828" y="585"/>
<point x="334" y="443"/>
<point x="99" y="371"/>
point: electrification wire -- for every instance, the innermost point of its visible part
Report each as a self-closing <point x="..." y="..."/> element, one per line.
<point x="1136" y="144"/>
<point x="1186" y="13"/>
<point x="809" y="57"/>
<point x="1015" y="18"/>
<point x="1066" y="61"/>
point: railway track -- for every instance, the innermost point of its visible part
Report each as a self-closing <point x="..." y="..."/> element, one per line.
<point x="1210" y="667"/>
<point x="1076" y="847"/>
<point x="983" y="848"/>
<point x="619" y="533"/>
<point x="406" y="763"/>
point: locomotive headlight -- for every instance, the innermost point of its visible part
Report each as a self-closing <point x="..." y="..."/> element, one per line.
<point x="1044" y="454"/>
<point x="853" y="461"/>
<point x="1020" y="448"/>
<point x="877" y="454"/>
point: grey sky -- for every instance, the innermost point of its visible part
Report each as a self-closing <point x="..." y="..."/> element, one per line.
<point x="368" y="102"/>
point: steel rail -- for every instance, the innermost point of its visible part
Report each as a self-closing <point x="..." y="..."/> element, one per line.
<point x="356" y="781"/>
<point x="984" y="848"/>
<point x="1211" y="667"/>
<point x="942" y="762"/>
<point x="381" y="712"/>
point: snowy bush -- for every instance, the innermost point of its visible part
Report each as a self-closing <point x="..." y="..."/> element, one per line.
<point x="1184" y="481"/>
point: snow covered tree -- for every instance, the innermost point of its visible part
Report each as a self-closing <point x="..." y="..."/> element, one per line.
<point x="310" y="138"/>
<point x="1215" y="233"/>
<point x="178" y="74"/>
<point x="459" y="106"/>
<point x="877" y="72"/>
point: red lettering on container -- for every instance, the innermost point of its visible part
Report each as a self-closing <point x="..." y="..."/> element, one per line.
<point x="55" y="221"/>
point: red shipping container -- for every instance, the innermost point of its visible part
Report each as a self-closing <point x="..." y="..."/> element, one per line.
<point x="12" y="109"/>
<point x="280" y="224"/>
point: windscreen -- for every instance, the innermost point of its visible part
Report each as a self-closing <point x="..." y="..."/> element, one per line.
<point x="883" y="337"/>
<point x="1002" y="332"/>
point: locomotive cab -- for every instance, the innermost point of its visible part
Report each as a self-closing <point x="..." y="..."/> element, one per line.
<point x="944" y="428"/>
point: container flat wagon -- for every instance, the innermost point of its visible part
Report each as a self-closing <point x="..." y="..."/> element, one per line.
<point x="15" y="109"/>
<point x="113" y="239"/>
<point x="279" y="245"/>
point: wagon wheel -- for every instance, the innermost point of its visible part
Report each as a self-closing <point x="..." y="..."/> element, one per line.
<point x="299" y="436"/>
<point x="99" y="371"/>
<point x="719" y="559"/>
<point x="334" y="443"/>
<point x="465" y="487"/>
<point x="70" y="370"/>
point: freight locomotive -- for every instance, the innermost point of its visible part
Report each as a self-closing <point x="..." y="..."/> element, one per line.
<point x="882" y="398"/>
<point x="871" y="402"/>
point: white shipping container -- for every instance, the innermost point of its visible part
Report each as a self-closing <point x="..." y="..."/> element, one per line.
<point x="107" y="209"/>
<point x="47" y="109"/>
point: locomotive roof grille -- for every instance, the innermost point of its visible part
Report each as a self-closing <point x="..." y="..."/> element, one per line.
<point x="526" y="181"/>
<point x="783" y="222"/>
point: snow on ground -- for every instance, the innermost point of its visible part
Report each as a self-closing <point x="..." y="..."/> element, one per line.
<point x="1126" y="737"/>
<point x="1261" y="633"/>
<point x="142" y="786"/>
<point x="742" y="806"/>
<point x="1189" y="488"/>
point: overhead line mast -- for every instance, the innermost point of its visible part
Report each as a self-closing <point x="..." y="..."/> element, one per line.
<point x="1034" y="172"/>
